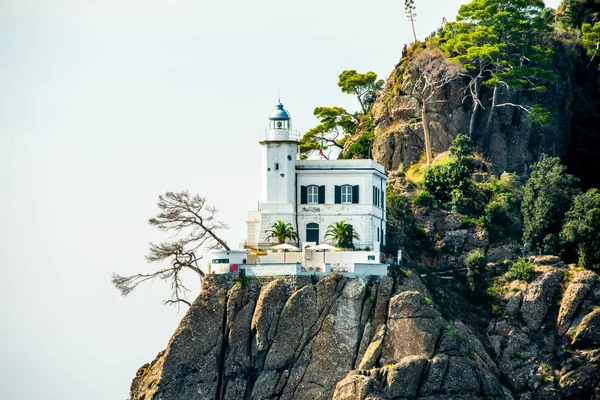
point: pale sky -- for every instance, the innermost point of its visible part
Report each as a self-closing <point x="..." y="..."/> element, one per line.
<point x="104" y="105"/>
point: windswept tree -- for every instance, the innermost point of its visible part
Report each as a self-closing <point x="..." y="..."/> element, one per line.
<point x="336" y="124"/>
<point x="431" y="71"/>
<point x="342" y="234"/>
<point x="193" y="230"/>
<point x="281" y="231"/>
<point x="502" y="45"/>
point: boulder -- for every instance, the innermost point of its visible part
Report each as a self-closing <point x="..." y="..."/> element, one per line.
<point x="413" y="327"/>
<point x="373" y="352"/>
<point x="539" y="297"/>
<point x="404" y="378"/>
<point x="573" y="297"/>
<point x="588" y="332"/>
<point x="355" y="387"/>
<point x="268" y="307"/>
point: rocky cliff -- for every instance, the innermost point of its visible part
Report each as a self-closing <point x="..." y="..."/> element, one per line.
<point x="380" y="338"/>
<point x="515" y="141"/>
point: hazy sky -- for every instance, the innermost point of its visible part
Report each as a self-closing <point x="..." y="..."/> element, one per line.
<point x="104" y="104"/>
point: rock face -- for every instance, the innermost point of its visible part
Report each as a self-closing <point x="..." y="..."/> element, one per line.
<point x="539" y="297"/>
<point x="515" y="141"/>
<point x="379" y="338"/>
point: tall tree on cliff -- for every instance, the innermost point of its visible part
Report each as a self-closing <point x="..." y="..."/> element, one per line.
<point x="409" y="9"/>
<point x="335" y="123"/>
<point x="193" y="229"/>
<point x="431" y="72"/>
<point x="502" y="44"/>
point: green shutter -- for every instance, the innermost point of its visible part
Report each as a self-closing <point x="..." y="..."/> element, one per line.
<point x="338" y="194"/>
<point x="303" y="195"/>
<point x="355" y="194"/>
<point x="322" y="194"/>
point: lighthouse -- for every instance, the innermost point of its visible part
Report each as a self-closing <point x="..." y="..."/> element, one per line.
<point x="279" y="148"/>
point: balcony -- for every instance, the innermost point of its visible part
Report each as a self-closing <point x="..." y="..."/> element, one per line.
<point x="279" y="135"/>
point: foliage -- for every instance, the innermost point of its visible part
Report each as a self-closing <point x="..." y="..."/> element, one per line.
<point x="361" y="148"/>
<point x="501" y="43"/>
<point x="591" y="40"/>
<point x="402" y="232"/>
<point x="193" y="228"/>
<point x="281" y="231"/>
<point x="475" y="263"/>
<point x="522" y="270"/>
<point x="365" y="86"/>
<point x="503" y="210"/>
<point x="342" y="234"/>
<point x="582" y="227"/>
<point x="461" y="147"/>
<point x="424" y="199"/>
<point x="336" y="124"/>
<point x="448" y="179"/>
<point x="547" y="197"/>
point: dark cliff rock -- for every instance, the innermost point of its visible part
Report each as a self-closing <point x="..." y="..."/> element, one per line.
<point x="379" y="338"/>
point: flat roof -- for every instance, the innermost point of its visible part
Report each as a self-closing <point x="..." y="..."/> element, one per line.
<point x="361" y="164"/>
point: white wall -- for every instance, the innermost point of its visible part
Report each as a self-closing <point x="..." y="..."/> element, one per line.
<point x="365" y="217"/>
<point x="275" y="187"/>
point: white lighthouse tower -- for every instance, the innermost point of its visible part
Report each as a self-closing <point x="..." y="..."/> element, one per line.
<point x="279" y="154"/>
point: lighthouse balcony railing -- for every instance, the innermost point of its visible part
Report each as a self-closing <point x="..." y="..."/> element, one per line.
<point x="280" y="134"/>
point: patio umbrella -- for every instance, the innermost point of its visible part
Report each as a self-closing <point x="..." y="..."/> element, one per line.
<point x="285" y="247"/>
<point x="324" y="247"/>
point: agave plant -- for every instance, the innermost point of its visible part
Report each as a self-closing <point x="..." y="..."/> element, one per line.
<point x="342" y="234"/>
<point x="281" y="231"/>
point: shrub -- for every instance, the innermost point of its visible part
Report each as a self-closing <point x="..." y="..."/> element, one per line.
<point x="582" y="224"/>
<point x="547" y="198"/>
<point x="461" y="147"/>
<point x="448" y="179"/>
<point x="475" y="263"/>
<point x="423" y="199"/>
<point x="523" y="270"/>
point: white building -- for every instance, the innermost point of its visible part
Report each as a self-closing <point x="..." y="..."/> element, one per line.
<point x="313" y="194"/>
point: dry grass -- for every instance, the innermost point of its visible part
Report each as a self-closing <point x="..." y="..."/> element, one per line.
<point x="414" y="173"/>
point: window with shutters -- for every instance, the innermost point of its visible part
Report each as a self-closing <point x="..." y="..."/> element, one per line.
<point x="312" y="194"/>
<point x="346" y="194"/>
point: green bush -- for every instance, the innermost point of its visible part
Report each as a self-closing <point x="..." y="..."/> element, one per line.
<point x="448" y="180"/>
<point x="423" y="199"/>
<point x="523" y="270"/>
<point x="582" y="224"/>
<point x="475" y="263"/>
<point x="547" y="198"/>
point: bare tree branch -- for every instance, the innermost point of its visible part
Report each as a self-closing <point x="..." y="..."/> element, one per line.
<point x="193" y="228"/>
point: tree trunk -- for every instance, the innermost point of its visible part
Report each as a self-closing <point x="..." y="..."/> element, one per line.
<point x="426" y="131"/>
<point x="475" y="107"/>
<point x="487" y="138"/>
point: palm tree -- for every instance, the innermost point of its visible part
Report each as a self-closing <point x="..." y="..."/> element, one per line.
<point x="342" y="234"/>
<point x="281" y="231"/>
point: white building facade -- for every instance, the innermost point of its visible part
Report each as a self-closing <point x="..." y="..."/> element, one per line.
<point x="311" y="195"/>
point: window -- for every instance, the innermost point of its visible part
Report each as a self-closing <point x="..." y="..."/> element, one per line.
<point x="346" y="194"/>
<point x="276" y="166"/>
<point x="371" y="257"/>
<point x="312" y="194"/>
<point x="220" y="261"/>
<point x="312" y="232"/>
